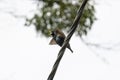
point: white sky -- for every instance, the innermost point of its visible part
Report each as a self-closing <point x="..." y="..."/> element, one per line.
<point x="26" y="56"/>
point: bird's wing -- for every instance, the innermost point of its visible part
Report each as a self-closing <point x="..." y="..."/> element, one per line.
<point x="60" y="33"/>
<point x="52" y="42"/>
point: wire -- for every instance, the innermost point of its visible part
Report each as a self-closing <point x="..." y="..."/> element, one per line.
<point x="62" y="50"/>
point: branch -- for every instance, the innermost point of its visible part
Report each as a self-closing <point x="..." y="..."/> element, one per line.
<point x="72" y="30"/>
<point x="104" y="46"/>
<point x="99" y="46"/>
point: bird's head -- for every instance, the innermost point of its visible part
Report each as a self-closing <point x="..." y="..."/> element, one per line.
<point x="52" y="33"/>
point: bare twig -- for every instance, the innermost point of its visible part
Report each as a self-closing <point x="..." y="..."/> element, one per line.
<point x="105" y="46"/>
<point x="72" y="30"/>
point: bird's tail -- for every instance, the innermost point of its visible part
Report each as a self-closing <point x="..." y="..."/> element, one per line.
<point x="70" y="48"/>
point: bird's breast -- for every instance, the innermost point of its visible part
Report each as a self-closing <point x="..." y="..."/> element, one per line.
<point x="59" y="40"/>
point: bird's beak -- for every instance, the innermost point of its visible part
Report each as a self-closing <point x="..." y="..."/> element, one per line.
<point x="50" y="32"/>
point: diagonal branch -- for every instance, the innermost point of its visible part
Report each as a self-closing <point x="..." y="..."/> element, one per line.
<point x="72" y="30"/>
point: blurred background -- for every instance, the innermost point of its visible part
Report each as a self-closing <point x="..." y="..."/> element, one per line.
<point x="25" y="53"/>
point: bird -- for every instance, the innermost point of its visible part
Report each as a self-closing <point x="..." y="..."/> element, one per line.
<point x="58" y="38"/>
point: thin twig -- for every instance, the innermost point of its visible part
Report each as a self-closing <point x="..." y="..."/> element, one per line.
<point x="105" y="46"/>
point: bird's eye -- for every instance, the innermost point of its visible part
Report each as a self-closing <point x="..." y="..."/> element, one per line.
<point x="52" y="33"/>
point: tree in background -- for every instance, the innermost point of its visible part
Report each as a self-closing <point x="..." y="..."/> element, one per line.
<point x="60" y="14"/>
